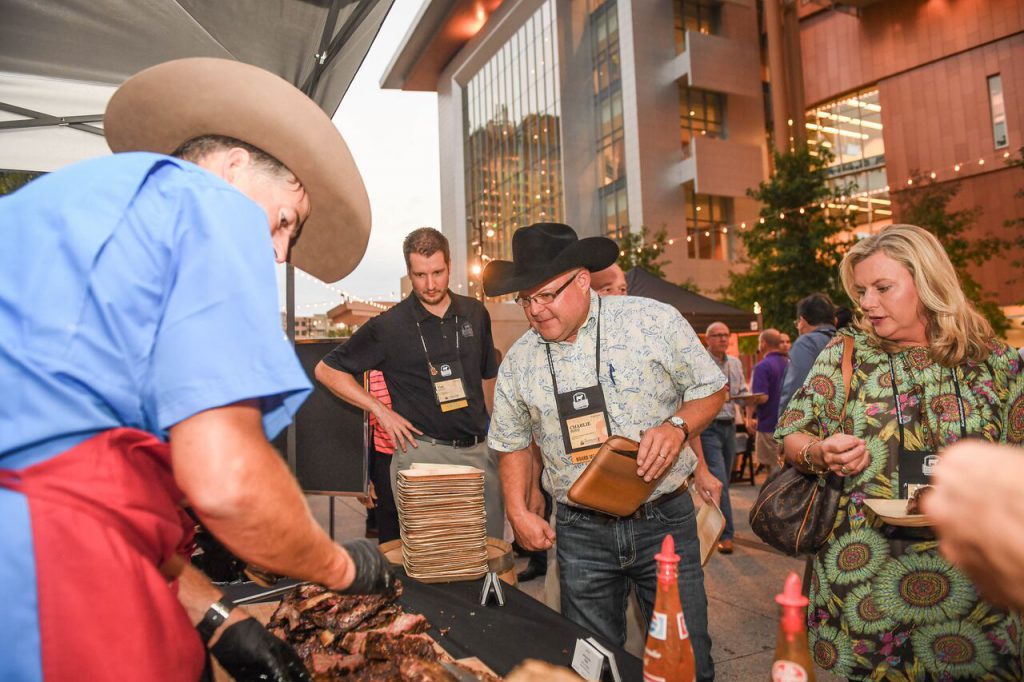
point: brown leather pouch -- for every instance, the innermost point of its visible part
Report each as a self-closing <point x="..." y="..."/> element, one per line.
<point x="609" y="484"/>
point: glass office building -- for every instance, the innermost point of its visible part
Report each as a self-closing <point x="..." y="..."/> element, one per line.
<point x="851" y="129"/>
<point x="511" y="140"/>
<point x="603" y="17"/>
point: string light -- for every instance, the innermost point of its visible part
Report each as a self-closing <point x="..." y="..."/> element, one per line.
<point x="869" y="203"/>
<point x="348" y="296"/>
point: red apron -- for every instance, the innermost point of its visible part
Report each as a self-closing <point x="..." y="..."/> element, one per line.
<point x="105" y="514"/>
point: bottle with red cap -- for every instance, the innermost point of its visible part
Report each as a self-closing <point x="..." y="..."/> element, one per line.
<point x="792" y="662"/>
<point x="668" y="654"/>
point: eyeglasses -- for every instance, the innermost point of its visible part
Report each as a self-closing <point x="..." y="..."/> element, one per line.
<point x="546" y="297"/>
<point x="723" y="335"/>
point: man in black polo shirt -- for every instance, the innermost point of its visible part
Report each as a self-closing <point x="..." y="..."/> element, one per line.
<point x="434" y="349"/>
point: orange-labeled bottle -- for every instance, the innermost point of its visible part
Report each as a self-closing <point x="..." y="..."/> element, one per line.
<point x="792" y="662"/>
<point x="668" y="655"/>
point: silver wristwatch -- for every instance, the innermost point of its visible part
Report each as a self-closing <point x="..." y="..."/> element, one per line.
<point x="679" y="423"/>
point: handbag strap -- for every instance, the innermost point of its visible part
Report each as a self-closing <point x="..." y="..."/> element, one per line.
<point x="847" y="370"/>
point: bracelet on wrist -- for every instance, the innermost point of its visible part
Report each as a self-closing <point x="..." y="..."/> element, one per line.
<point x="805" y="455"/>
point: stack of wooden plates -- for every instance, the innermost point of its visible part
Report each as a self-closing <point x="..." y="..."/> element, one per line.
<point x="443" y="522"/>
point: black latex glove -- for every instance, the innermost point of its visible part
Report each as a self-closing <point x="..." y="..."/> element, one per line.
<point x="248" y="652"/>
<point x="374" y="574"/>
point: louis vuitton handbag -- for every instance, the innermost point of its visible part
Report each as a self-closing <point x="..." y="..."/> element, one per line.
<point x="609" y="484"/>
<point x="795" y="511"/>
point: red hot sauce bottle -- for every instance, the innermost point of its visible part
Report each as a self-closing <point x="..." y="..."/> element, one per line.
<point x="668" y="655"/>
<point x="792" y="662"/>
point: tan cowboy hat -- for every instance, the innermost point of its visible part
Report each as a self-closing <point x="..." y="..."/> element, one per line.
<point x="158" y="109"/>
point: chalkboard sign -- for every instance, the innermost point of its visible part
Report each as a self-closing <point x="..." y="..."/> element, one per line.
<point x="330" y="434"/>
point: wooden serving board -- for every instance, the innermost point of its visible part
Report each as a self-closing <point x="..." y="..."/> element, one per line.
<point x="263" y="612"/>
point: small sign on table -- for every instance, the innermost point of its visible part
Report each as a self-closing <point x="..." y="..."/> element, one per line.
<point x="594" y="662"/>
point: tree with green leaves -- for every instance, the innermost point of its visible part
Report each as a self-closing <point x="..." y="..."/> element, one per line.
<point x="13" y="180"/>
<point x="637" y="250"/>
<point x="927" y="206"/>
<point x="794" y="249"/>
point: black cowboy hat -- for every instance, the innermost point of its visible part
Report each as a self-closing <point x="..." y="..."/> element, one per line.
<point x="542" y="251"/>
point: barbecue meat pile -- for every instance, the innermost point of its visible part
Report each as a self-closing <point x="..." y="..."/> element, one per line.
<point x="357" y="637"/>
<point x="914" y="503"/>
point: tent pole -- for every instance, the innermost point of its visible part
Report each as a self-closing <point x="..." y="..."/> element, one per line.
<point x="329" y="51"/>
<point x="320" y="62"/>
<point x="289" y="295"/>
<point x="37" y="119"/>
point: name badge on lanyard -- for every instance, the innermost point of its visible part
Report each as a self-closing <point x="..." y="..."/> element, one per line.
<point x="582" y="413"/>
<point x="914" y="467"/>
<point x="447" y="377"/>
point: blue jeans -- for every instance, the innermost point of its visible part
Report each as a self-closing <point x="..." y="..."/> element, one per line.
<point x="719" y="443"/>
<point x="600" y="558"/>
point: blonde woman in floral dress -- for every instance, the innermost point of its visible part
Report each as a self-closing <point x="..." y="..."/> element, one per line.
<point x="884" y="604"/>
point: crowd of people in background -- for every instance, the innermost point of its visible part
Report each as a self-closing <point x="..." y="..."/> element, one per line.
<point x="929" y="372"/>
<point x="116" y="424"/>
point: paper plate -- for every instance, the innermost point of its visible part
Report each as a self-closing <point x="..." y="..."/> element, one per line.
<point x="894" y="512"/>
<point x="710" y="525"/>
<point x="746" y="397"/>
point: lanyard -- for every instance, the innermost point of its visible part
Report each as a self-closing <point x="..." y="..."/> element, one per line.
<point x="424" y="342"/>
<point x="899" y="409"/>
<point x="597" y="365"/>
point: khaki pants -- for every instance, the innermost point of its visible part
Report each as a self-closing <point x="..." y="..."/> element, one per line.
<point x="767" y="451"/>
<point x="479" y="456"/>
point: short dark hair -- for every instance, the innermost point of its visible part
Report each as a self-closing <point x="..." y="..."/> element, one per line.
<point x="844" y="316"/>
<point x="816" y="309"/>
<point x="426" y="241"/>
<point x="198" y="147"/>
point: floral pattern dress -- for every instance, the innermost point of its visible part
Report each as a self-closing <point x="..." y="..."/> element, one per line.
<point x="884" y="604"/>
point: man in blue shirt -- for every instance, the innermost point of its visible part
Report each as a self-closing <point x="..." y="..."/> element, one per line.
<point x="144" y="361"/>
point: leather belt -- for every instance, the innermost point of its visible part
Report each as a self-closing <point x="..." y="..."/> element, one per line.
<point x="457" y="443"/>
<point x="639" y="513"/>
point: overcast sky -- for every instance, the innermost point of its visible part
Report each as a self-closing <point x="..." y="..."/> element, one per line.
<point x="393" y="137"/>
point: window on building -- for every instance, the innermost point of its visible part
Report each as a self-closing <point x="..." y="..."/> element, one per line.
<point x="614" y="211"/>
<point x="604" y="27"/>
<point x="998" y="107"/>
<point x="850" y="129"/>
<point x="610" y="141"/>
<point x="701" y="113"/>
<point x="512" y="140"/>
<point x="699" y="16"/>
<point x="708" y="236"/>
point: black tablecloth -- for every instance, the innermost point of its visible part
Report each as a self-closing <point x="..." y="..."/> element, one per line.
<point x="500" y="636"/>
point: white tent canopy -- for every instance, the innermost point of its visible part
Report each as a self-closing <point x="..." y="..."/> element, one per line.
<point x="47" y="148"/>
<point x="61" y="62"/>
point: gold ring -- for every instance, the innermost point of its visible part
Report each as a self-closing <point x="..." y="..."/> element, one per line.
<point x="844" y="469"/>
<point x="661" y="456"/>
